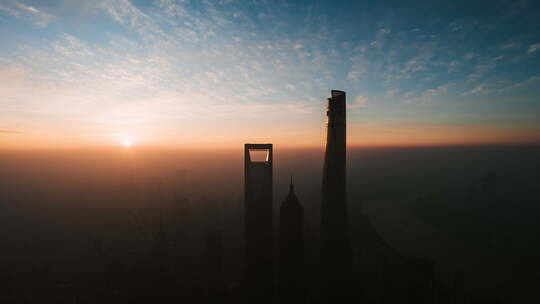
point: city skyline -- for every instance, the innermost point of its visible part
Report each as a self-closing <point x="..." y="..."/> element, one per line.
<point x="205" y="74"/>
<point x="390" y="151"/>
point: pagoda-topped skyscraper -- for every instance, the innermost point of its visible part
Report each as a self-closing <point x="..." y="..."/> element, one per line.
<point x="291" y="250"/>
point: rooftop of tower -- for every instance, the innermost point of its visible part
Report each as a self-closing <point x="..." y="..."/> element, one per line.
<point x="336" y="93"/>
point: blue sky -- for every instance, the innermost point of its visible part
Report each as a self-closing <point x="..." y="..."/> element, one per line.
<point x="200" y="72"/>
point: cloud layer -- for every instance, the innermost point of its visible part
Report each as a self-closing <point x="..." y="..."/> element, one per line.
<point x="181" y="71"/>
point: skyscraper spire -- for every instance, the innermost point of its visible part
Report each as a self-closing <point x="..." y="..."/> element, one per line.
<point x="161" y="231"/>
<point x="291" y="186"/>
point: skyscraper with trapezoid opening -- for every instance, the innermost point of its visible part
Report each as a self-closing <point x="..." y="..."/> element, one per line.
<point x="259" y="267"/>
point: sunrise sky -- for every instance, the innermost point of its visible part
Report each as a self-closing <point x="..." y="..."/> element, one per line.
<point x="201" y="73"/>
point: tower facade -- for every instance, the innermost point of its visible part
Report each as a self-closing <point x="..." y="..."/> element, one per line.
<point x="291" y="250"/>
<point x="258" y="175"/>
<point x="335" y="247"/>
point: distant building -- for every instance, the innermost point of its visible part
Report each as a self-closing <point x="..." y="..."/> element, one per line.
<point x="259" y="268"/>
<point x="291" y="250"/>
<point x="335" y="247"/>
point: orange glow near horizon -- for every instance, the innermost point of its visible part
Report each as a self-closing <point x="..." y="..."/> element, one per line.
<point x="147" y="78"/>
<point x="367" y="134"/>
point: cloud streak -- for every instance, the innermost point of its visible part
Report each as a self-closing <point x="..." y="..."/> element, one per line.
<point x="29" y="13"/>
<point x="533" y="48"/>
<point x="5" y="131"/>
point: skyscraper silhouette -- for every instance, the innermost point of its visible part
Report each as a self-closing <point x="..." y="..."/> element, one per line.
<point x="258" y="174"/>
<point x="291" y="250"/>
<point x="335" y="247"/>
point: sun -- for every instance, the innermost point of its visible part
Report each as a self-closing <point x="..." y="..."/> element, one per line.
<point x="127" y="143"/>
<point x="126" y="140"/>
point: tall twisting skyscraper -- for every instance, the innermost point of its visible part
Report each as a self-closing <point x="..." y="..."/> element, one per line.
<point x="259" y="276"/>
<point x="335" y="248"/>
<point x="291" y="250"/>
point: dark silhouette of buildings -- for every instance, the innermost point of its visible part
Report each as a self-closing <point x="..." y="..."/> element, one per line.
<point x="459" y="288"/>
<point x="377" y="264"/>
<point x="335" y="247"/>
<point x="258" y="174"/>
<point x="213" y="253"/>
<point x="489" y="184"/>
<point x="6" y="284"/>
<point x="160" y="246"/>
<point x="420" y="281"/>
<point x="214" y="265"/>
<point x="291" y="250"/>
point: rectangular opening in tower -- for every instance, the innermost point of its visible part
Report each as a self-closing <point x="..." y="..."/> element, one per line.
<point x="259" y="155"/>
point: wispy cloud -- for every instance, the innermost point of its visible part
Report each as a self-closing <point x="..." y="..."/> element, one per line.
<point x="380" y="37"/>
<point x="509" y="45"/>
<point x="533" y="48"/>
<point x="527" y="82"/>
<point x="477" y="90"/>
<point x="71" y="46"/>
<point x="22" y="11"/>
<point x="6" y="131"/>
<point x="359" y="102"/>
<point x="483" y="67"/>
<point x="427" y="96"/>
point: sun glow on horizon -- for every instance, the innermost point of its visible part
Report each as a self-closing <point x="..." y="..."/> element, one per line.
<point x="126" y="140"/>
<point x="127" y="143"/>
